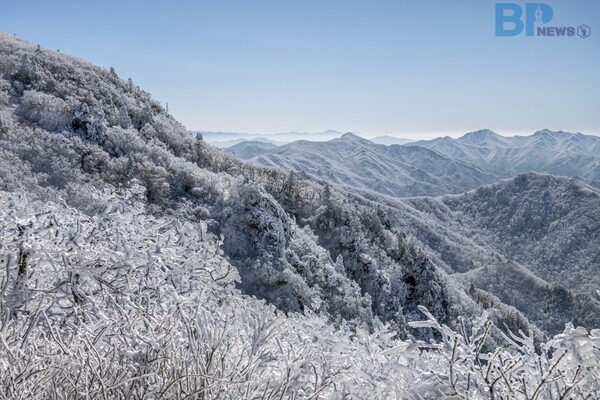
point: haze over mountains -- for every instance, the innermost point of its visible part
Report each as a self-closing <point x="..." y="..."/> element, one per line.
<point x="227" y="139"/>
<point x="249" y="149"/>
<point x="142" y="262"/>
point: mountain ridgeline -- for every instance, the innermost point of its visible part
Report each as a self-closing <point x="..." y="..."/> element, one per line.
<point x="556" y="153"/>
<point x="453" y="165"/>
<point x="393" y="170"/>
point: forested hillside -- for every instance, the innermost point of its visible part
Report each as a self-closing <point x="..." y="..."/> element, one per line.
<point x="551" y="224"/>
<point x="69" y="127"/>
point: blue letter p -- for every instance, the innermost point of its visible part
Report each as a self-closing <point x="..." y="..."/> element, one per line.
<point x="537" y="12"/>
<point x="514" y="18"/>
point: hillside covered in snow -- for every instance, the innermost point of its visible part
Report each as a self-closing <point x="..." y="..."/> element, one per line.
<point x="536" y="235"/>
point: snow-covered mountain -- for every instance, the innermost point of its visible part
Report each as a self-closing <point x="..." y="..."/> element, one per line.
<point x="229" y="143"/>
<point x="552" y="235"/>
<point x="248" y="149"/>
<point x="556" y="153"/>
<point x="530" y="225"/>
<point x="141" y="262"/>
<point x="69" y="128"/>
<point x="550" y="224"/>
<point x="393" y="170"/>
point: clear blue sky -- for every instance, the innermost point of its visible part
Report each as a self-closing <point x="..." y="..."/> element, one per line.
<point x="411" y="68"/>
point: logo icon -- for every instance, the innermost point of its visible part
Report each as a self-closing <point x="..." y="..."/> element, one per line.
<point x="583" y="31"/>
<point x="512" y="20"/>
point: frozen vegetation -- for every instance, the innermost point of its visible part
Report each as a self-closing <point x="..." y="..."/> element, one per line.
<point x="137" y="261"/>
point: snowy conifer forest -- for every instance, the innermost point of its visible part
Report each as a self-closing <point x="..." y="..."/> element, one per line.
<point x="138" y="261"/>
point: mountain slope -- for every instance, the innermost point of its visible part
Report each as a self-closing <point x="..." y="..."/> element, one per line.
<point x="550" y="224"/>
<point x="548" y="305"/>
<point x="541" y="225"/>
<point x="470" y="231"/>
<point x="393" y="170"/>
<point x="69" y="127"/>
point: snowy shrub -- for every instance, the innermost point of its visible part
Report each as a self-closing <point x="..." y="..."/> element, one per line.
<point x="124" y="118"/>
<point x="568" y="366"/>
<point x="48" y="112"/>
<point x="123" y="305"/>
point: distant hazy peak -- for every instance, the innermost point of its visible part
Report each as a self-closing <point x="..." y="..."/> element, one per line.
<point x="562" y="134"/>
<point x="480" y="133"/>
<point x="390" y="140"/>
<point x="482" y="137"/>
<point x="351" y="136"/>
<point x="247" y="143"/>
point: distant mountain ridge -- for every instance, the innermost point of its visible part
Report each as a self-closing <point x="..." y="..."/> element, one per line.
<point x="226" y="139"/>
<point x="393" y="170"/>
<point x="249" y="149"/>
<point x="390" y="140"/>
<point x="455" y="165"/>
<point x="552" y="152"/>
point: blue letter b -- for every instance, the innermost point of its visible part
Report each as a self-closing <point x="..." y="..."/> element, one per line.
<point x="513" y="18"/>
